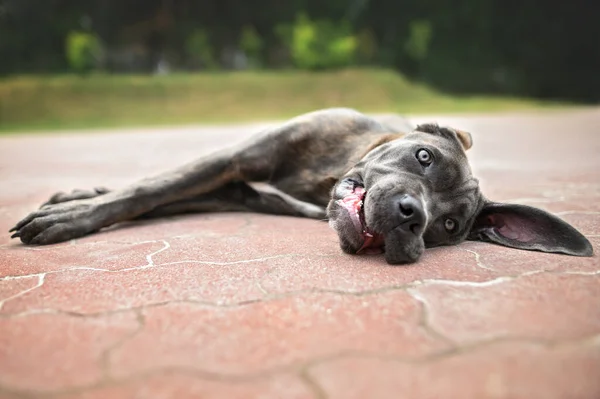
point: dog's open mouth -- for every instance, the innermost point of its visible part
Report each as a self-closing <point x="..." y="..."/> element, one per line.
<point x="354" y="205"/>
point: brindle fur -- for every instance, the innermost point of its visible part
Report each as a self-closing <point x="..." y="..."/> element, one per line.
<point x="302" y="168"/>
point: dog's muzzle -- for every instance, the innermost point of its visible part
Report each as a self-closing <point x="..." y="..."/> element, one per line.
<point x="353" y="203"/>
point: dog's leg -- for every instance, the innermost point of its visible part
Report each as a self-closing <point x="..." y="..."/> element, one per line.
<point x="304" y="143"/>
<point x="75" y="195"/>
<point x="242" y="197"/>
<point x="63" y="221"/>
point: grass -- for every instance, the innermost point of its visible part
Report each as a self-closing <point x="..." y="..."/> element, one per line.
<point x="74" y="102"/>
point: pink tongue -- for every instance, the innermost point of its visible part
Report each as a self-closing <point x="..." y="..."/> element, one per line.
<point x="352" y="203"/>
<point x="373" y="243"/>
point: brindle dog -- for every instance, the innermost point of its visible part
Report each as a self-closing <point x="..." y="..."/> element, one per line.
<point x="382" y="189"/>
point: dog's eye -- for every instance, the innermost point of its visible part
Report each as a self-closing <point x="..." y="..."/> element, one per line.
<point x="449" y="225"/>
<point x="424" y="157"/>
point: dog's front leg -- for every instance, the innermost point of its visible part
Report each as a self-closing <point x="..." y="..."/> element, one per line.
<point x="63" y="221"/>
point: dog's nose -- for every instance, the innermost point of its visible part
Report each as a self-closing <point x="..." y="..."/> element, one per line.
<point x="410" y="213"/>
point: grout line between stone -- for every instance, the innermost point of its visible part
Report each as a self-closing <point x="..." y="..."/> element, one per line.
<point x="259" y="282"/>
<point x="236" y="262"/>
<point x="105" y="356"/>
<point x="292" y="294"/>
<point x="151" y="264"/>
<point x="486" y="283"/>
<point x="313" y="386"/>
<point x="305" y="366"/>
<point x="478" y="260"/>
<point x="592" y="340"/>
<point x="425" y="320"/>
<point x="575" y="273"/>
<point x="40" y="282"/>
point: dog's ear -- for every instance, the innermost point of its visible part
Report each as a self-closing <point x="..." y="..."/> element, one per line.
<point x="463" y="137"/>
<point x="525" y="227"/>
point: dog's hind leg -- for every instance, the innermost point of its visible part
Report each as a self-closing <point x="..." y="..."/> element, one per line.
<point x="241" y="197"/>
<point x="287" y="152"/>
<point x="251" y="161"/>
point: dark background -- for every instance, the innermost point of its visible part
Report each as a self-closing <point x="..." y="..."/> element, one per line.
<point x="518" y="47"/>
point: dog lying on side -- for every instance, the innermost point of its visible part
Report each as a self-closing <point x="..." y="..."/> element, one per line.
<point x="382" y="190"/>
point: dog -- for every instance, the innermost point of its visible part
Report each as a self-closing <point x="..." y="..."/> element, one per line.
<point x="382" y="189"/>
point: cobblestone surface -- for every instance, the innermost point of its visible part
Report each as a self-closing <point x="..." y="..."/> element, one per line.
<point x="256" y="306"/>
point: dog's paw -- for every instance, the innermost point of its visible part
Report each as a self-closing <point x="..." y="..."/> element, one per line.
<point x="59" y="222"/>
<point x="61" y="197"/>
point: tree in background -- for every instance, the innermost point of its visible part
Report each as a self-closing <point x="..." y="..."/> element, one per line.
<point x="83" y="51"/>
<point x="252" y="46"/>
<point x="199" y="50"/>
<point x="534" y="48"/>
<point x="320" y="44"/>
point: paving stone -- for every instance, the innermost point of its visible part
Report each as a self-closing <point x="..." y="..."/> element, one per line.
<point x="240" y="305"/>
<point x="177" y="386"/>
<point x="22" y="261"/>
<point x="10" y="289"/>
<point x="92" y="291"/>
<point x="52" y="352"/>
<point x="274" y="334"/>
<point x="366" y="273"/>
<point x="504" y="370"/>
<point x="540" y="306"/>
<point x="510" y="262"/>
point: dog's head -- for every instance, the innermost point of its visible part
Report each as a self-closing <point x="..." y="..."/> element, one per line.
<point x="418" y="191"/>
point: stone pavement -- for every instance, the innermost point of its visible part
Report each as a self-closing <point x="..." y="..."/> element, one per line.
<point x="255" y="306"/>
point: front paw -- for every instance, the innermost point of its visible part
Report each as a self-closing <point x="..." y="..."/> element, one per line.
<point x="59" y="222"/>
<point x="74" y="195"/>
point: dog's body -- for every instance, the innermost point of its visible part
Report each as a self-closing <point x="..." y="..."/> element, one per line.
<point x="381" y="187"/>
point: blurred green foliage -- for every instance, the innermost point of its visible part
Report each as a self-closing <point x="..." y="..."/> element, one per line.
<point x="252" y="45"/>
<point x="83" y="51"/>
<point x="513" y="47"/>
<point x="319" y="44"/>
<point x="199" y="49"/>
<point x="417" y="44"/>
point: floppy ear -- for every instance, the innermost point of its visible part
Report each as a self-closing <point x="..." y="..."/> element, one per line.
<point x="463" y="137"/>
<point x="525" y="227"/>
